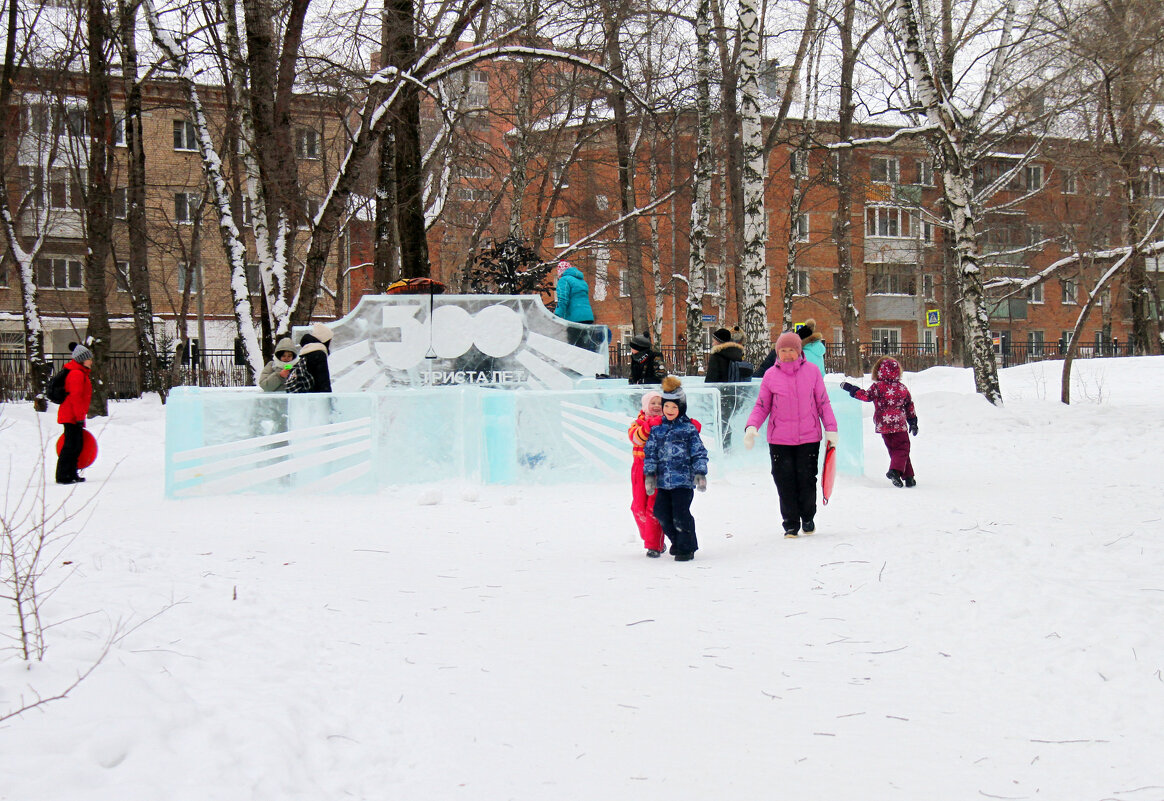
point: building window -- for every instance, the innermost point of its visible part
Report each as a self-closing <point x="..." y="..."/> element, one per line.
<point x="623" y="284"/>
<point x="799" y="282"/>
<point x="185" y="137"/>
<point x="1156" y="183"/>
<point x="478" y="91"/>
<point x="193" y="275"/>
<point x="601" y="202"/>
<point x="929" y="341"/>
<point x="65" y="189"/>
<point x="561" y="233"/>
<point x="800" y="227"/>
<point x="883" y="169"/>
<point x="1070" y="291"/>
<point x="925" y="172"/>
<point x="922" y="228"/>
<point x="1035" y="342"/>
<point x="307" y="143"/>
<point x="1070" y="183"/>
<point x="185" y="206"/>
<point x="120" y="204"/>
<point x="1033" y="176"/>
<point x="1065" y="339"/>
<point x="254" y="278"/>
<point x="121" y="275"/>
<point x="887" y="338"/>
<point x="886" y="221"/>
<point x="1035" y="293"/>
<point x="890" y="279"/>
<point x="710" y="280"/>
<point x="798" y="163"/>
<point x="59" y="273"/>
<point x="119" y="130"/>
<point x="558" y="174"/>
<point x="928" y="286"/>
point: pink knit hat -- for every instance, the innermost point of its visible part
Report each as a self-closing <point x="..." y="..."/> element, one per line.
<point x="789" y="339"/>
<point x="564" y="265"/>
<point x="647" y="399"/>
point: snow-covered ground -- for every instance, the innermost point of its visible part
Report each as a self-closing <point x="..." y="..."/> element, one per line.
<point x="994" y="633"/>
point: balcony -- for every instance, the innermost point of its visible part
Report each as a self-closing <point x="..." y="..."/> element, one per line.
<point x="893" y="307"/>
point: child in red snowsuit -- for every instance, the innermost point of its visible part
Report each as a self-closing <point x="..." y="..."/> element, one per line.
<point x="893" y="415"/>
<point x="642" y="504"/>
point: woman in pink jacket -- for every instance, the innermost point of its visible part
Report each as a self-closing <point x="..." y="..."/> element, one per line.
<point x="794" y="403"/>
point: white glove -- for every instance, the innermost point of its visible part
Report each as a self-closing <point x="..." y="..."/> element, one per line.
<point x="832" y="438"/>
<point x="750" y="437"/>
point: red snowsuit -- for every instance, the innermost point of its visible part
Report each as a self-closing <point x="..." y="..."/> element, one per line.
<point x="642" y="504"/>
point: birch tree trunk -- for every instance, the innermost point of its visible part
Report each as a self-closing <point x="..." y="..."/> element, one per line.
<point x="701" y="191"/>
<point x="949" y="126"/>
<point x="753" y="258"/>
<point x="733" y="211"/>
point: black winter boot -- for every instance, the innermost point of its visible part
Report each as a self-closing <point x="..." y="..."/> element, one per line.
<point x="910" y="481"/>
<point x="895" y="477"/>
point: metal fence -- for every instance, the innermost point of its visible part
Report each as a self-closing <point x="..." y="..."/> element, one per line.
<point x="913" y="357"/>
<point x="122" y="374"/>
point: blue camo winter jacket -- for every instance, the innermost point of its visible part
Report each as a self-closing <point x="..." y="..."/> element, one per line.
<point x="675" y="453"/>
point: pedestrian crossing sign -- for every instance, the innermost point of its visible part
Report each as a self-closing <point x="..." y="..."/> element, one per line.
<point x="933" y="318"/>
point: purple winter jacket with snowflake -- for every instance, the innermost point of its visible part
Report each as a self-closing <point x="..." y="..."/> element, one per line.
<point x="892" y="403"/>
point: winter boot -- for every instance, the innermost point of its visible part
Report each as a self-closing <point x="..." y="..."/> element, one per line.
<point x="895" y="477"/>
<point x="791" y="533"/>
<point x="653" y="554"/>
<point x="910" y="481"/>
<point x="684" y="556"/>
<point x="808" y="526"/>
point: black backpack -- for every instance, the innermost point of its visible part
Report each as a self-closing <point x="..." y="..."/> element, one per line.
<point x="740" y="371"/>
<point x="56" y="391"/>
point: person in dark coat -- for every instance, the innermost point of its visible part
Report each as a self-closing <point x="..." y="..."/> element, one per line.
<point x="813" y="343"/>
<point x="313" y="350"/>
<point x="723" y="353"/>
<point x="72" y="413"/>
<point x="645" y="363"/>
<point x="674" y="467"/>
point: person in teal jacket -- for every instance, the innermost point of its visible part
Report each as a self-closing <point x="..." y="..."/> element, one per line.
<point x="573" y="295"/>
<point x="813" y="347"/>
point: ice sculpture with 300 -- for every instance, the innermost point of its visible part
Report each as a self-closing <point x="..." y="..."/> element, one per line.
<point x="422" y="393"/>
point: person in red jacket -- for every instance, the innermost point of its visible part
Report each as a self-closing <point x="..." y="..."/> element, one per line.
<point x="72" y="413"/>
<point x="893" y="415"/>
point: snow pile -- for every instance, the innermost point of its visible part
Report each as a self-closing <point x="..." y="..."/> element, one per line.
<point x="994" y="632"/>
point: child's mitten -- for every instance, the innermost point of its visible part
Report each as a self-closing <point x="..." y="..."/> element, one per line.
<point x="852" y="389"/>
<point x="701" y="483"/>
<point x="651" y="484"/>
<point x="912" y="425"/>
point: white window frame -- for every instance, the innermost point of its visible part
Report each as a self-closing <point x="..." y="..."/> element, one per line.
<point x="65" y="272"/>
<point x="307" y="143"/>
<point x="186" y="208"/>
<point x="925" y="172"/>
<point x="558" y="174"/>
<point x="181" y="279"/>
<point x="892" y="169"/>
<point x="121" y="275"/>
<point x="930" y="341"/>
<point x="601" y="202"/>
<point x="877" y="214"/>
<point x="561" y="233"/>
<point x="892" y="334"/>
<point x="1069" y="291"/>
<point x="801" y="226"/>
<point x="928" y="284"/>
<point x="70" y="182"/>
<point x="1036" y="340"/>
<point x="1035" y="293"/>
<point x="623" y="284"/>
<point x="800" y="284"/>
<point x="1070" y="182"/>
<point x="798" y="163"/>
<point x="1033" y="176"/>
<point x="185" y="137"/>
<point x="477" y="91"/>
<point x="120" y="203"/>
<point x="119" y="139"/>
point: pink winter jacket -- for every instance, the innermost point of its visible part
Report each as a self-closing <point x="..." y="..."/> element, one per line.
<point x="794" y="404"/>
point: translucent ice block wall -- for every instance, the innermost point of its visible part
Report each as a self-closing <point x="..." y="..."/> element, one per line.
<point x="221" y="441"/>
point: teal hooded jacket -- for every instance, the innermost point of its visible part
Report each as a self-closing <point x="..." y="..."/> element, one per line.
<point x="573" y="297"/>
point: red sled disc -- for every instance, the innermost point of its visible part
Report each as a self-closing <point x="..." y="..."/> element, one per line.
<point x="828" y="475"/>
<point x="88" y="449"/>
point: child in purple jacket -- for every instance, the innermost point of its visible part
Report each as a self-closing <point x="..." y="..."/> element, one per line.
<point x="893" y="415"/>
<point x="794" y="403"/>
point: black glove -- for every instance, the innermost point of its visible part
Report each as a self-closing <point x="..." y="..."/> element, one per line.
<point x="912" y="425"/>
<point x="852" y="389"/>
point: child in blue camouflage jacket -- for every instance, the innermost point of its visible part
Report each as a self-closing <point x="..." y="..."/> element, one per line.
<point x="674" y="466"/>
